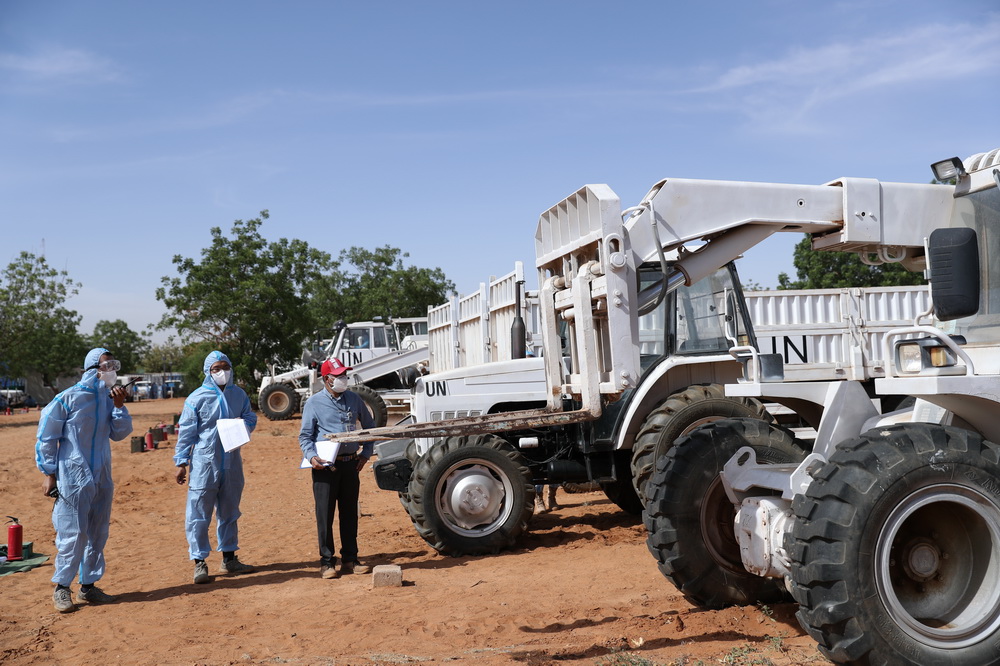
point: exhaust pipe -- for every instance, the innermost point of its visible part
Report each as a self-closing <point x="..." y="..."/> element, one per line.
<point x="518" y="334"/>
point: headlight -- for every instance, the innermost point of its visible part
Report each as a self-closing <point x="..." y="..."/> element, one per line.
<point x="909" y="358"/>
<point x="949" y="169"/>
<point x="921" y="354"/>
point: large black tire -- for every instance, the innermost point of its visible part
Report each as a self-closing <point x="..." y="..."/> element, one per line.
<point x="621" y="491"/>
<point x="471" y="495"/>
<point x="896" y="549"/>
<point x="278" y="401"/>
<point x="411" y="454"/>
<point x="376" y="405"/>
<point x="689" y="518"/>
<point x="678" y="415"/>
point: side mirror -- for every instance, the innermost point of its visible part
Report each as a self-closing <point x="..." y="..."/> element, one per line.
<point x="954" y="264"/>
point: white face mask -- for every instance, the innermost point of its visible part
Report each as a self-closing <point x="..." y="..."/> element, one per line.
<point x="339" y="384"/>
<point x="222" y="377"/>
<point x="109" y="378"/>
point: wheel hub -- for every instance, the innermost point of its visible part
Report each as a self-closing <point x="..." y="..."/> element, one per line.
<point x="922" y="559"/>
<point x="472" y="497"/>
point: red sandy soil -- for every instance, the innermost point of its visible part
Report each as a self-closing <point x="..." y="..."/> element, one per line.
<point x="580" y="588"/>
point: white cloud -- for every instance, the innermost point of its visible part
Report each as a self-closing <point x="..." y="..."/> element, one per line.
<point x="61" y="65"/>
<point x="807" y="79"/>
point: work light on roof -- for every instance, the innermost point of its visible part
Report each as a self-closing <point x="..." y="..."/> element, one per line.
<point x="949" y="169"/>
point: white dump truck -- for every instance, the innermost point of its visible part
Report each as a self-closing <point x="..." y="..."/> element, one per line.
<point x="386" y="358"/>
<point x="886" y="526"/>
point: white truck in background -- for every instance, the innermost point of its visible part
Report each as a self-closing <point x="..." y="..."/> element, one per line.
<point x="386" y="358"/>
<point x="886" y="527"/>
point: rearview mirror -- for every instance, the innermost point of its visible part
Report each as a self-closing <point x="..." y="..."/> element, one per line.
<point x="954" y="264"/>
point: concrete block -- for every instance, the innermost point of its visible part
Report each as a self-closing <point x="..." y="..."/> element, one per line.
<point x="387" y="575"/>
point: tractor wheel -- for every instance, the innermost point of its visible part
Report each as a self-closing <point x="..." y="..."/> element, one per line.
<point x="896" y="549"/>
<point x="690" y="519"/>
<point x="411" y="454"/>
<point x="471" y="495"/>
<point x="621" y="491"/>
<point x="677" y="416"/>
<point x="278" y="402"/>
<point x="375" y="403"/>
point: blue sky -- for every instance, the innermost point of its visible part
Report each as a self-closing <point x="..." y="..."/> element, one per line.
<point x="129" y="129"/>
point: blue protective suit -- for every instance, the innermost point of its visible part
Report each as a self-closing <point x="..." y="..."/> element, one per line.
<point x="74" y="434"/>
<point x="215" y="477"/>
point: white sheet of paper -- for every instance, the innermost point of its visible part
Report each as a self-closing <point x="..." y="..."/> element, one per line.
<point x="325" y="449"/>
<point x="233" y="433"/>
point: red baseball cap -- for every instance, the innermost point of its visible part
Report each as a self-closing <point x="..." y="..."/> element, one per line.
<point x="333" y="366"/>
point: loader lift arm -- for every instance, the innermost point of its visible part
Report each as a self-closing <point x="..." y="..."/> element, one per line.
<point x="703" y="225"/>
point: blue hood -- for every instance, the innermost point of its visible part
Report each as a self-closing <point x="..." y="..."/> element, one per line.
<point x="92" y="359"/>
<point x="213" y="358"/>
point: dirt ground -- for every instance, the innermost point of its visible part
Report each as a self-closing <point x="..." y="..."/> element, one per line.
<point x="581" y="588"/>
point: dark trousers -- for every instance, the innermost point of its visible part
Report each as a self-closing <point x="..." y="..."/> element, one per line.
<point x="337" y="488"/>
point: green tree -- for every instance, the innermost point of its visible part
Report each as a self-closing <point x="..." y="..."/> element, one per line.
<point x="128" y="346"/>
<point x="246" y="296"/>
<point x="37" y="332"/>
<point x="165" y="357"/>
<point x="829" y="270"/>
<point x="192" y="363"/>
<point x="377" y="283"/>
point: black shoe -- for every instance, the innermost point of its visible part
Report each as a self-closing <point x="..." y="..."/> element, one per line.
<point x="95" y="595"/>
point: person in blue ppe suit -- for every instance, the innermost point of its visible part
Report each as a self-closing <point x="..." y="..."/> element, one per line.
<point x="74" y="452"/>
<point x="216" y="476"/>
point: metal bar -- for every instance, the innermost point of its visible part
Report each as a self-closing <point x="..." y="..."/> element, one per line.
<point x="471" y="425"/>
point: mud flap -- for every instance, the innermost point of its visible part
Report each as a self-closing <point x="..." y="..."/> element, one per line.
<point x="393" y="468"/>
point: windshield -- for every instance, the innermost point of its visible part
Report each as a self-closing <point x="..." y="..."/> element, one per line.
<point x="701" y="315"/>
<point x="697" y="319"/>
<point x="358" y="338"/>
<point x="652" y="326"/>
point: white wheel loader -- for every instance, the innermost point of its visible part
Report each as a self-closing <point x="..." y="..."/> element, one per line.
<point x="886" y="526"/>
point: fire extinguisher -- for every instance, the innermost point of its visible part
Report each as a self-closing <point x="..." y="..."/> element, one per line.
<point x="14" y="540"/>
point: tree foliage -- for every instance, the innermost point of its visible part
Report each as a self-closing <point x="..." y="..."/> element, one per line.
<point x="192" y="363"/>
<point x="369" y="284"/>
<point x="247" y="296"/>
<point x="127" y="346"/>
<point x="829" y="270"/>
<point x="164" y="357"/>
<point x="37" y="332"/>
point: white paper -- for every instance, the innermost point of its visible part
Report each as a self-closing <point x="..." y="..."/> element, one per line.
<point x="325" y="450"/>
<point x="233" y="433"/>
